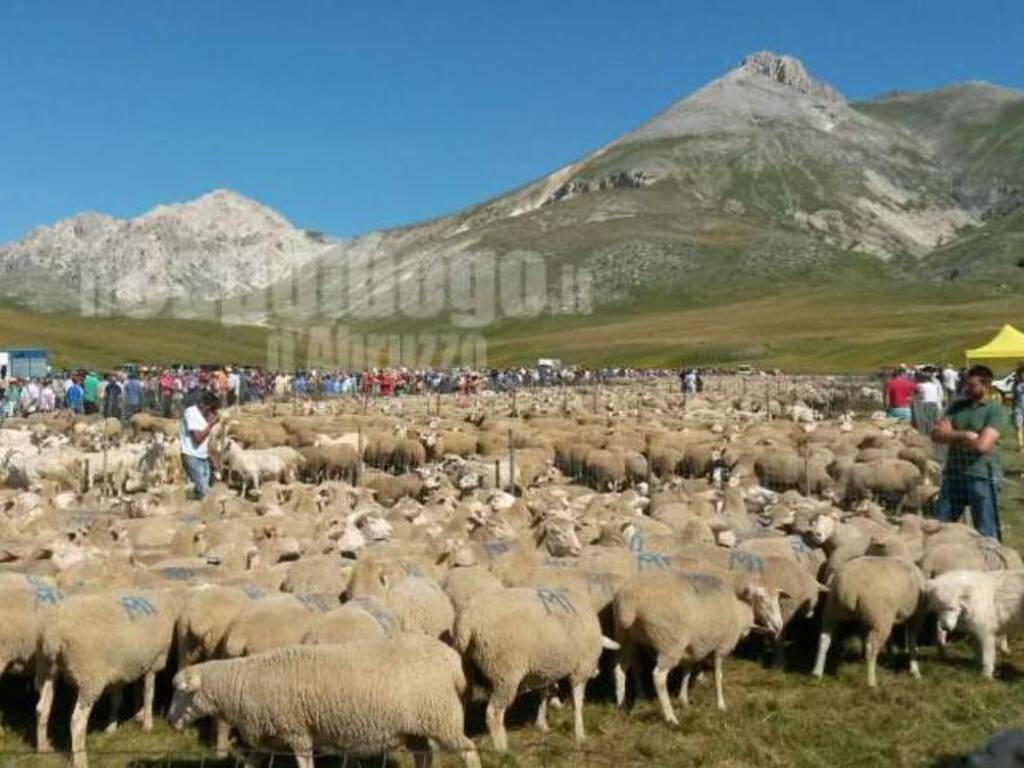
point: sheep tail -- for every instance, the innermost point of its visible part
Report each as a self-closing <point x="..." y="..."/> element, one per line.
<point x="463" y="636"/>
<point x="625" y="615"/>
<point x="49" y="645"/>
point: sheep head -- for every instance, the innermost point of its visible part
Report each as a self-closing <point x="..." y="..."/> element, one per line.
<point x="190" y="702"/>
<point x="946" y="597"/>
<point x="764" y="603"/>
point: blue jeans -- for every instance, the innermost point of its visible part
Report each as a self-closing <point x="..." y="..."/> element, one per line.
<point x="198" y="471"/>
<point x="980" y="493"/>
<point x="900" y="414"/>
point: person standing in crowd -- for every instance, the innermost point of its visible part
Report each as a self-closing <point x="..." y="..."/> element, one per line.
<point x="133" y="393"/>
<point x="1018" y="405"/>
<point x="971" y="428"/>
<point x="234" y="386"/>
<point x="12" y="396"/>
<point x="194" y="430"/>
<point x="112" y="398"/>
<point x="166" y="387"/>
<point x="950" y="382"/>
<point x="690" y="381"/>
<point x="927" y="401"/>
<point x="899" y="391"/>
<point x="73" y="396"/>
<point x="90" y="394"/>
<point x="47" y="397"/>
<point x="29" y="397"/>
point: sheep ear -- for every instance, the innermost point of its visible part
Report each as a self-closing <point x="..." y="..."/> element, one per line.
<point x="823" y="589"/>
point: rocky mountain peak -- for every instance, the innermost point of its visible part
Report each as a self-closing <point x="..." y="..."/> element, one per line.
<point x="788" y="71"/>
<point x="221" y="244"/>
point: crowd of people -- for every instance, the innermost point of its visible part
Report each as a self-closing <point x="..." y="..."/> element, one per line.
<point x="920" y="395"/>
<point x="170" y="390"/>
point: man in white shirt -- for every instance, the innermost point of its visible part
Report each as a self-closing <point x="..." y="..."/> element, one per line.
<point x="194" y="429"/>
<point x="234" y="386"/>
<point x="950" y="381"/>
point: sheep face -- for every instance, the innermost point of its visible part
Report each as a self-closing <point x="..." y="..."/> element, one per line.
<point x="765" y="604"/>
<point x="560" y="537"/>
<point x="945" y="601"/>
<point x="822" y="528"/>
<point x="189" y="703"/>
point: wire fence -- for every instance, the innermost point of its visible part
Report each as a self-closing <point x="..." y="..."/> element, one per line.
<point x="540" y="755"/>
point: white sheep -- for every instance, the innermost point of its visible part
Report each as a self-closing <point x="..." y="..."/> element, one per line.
<point x="686" y="616"/>
<point x="533" y="637"/>
<point x="362" y="698"/>
<point x="273" y="622"/>
<point x="100" y="641"/>
<point x="258" y="464"/>
<point x="877" y="593"/>
<point x="24" y="611"/>
<point x="357" y="620"/>
<point x="418" y="601"/>
<point x="989" y="604"/>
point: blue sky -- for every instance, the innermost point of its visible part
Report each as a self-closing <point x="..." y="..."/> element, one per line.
<point x="349" y="116"/>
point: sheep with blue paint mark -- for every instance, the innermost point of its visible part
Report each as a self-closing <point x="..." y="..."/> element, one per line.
<point x="103" y="641"/>
<point x="686" y="617"/>
<point x="274" y="622"/>
<point x="531" y="638"/>
<point x="419" y="602"/>
<point x="24" y="611"/>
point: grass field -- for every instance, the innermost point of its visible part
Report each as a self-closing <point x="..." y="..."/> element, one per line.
<point x="823" y="329"/>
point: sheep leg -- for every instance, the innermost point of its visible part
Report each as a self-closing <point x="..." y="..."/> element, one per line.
<point x="824" y="641"/>
<point x="719" y="683"/>
<point x="661" y="688"/>
<point x="623" y="662"/>
<point x="501" y="699"/>
<point x="422" y="755"/>
<point x="578" y="690"/>
<point x="459" y="742"/>
<point x="684" y="688"/>
<point x="116" y="700"/>
<point x="913" y="629"/>
<point x="148" y="691"/>
<point x="876" y="639"/>
<point x="45" y="686"/>
<point x="988" y="655"/>
<point x="79" y="727"/>
<point x="304" y="759"/>
<point x="542" y="713"/>
<point x="223" y="738"/>
<point x="1004" y="644"/>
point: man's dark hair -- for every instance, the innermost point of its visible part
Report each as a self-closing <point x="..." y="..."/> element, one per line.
<point x="982" y="372"/>
<point x="211" y="401"/>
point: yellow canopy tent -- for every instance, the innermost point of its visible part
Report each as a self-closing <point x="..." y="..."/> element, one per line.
<point x="1007" y="347"/>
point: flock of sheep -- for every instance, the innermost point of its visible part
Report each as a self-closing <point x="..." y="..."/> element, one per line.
<point x="361" y="571"/>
